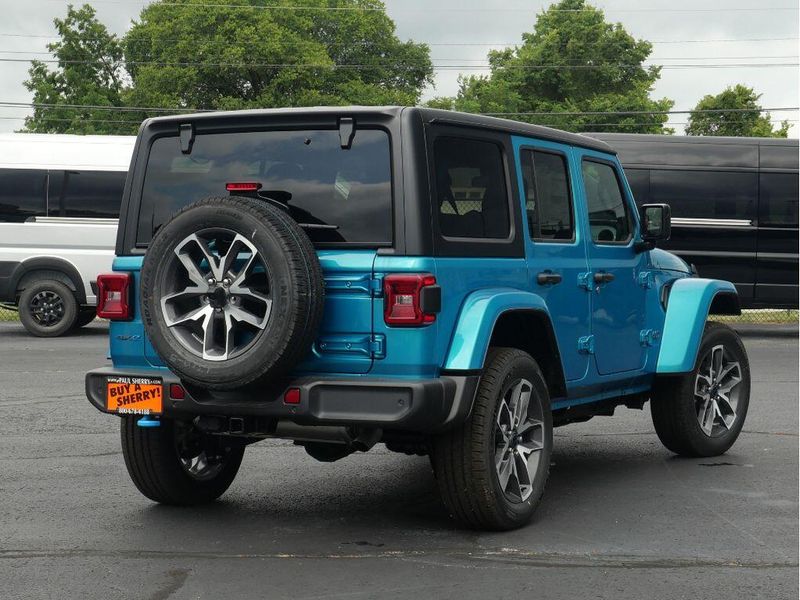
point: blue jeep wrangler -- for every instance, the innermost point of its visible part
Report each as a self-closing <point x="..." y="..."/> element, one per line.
<point x="443" y="283"/>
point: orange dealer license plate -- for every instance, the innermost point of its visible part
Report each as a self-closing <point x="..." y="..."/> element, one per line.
<point x="134" y="395"/>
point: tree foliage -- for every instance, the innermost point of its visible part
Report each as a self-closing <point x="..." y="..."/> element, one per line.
<point x="89" y="72"/>
<point x="255" y="54"/>
<point x="572" y="61"/>
<point x="735" y="111"/>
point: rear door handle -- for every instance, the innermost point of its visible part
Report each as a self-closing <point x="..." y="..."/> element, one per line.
<point x="603" y="277"/>
<point x="548" y="278"/>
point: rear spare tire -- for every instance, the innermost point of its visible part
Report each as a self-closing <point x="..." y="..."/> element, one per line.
<point x="231" y="293"/>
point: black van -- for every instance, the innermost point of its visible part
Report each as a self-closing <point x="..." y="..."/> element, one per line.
<point x="734" y="206"/>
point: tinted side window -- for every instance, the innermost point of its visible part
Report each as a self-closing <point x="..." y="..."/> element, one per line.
<point x="778" y="203"/>
<point x="22" y="194"/>
<point x="471" y="189"/>
<point x="91" y="194"/>
<point x="548" y="202"/>
<point x="706" y="194"/>
<point x="609" y="218"/>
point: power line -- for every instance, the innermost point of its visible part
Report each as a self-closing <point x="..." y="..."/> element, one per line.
<point x="405" y="66"/>
<point x="749" y="57"/>
<point x="367" y="43"/>
<point x="50" y="106"/>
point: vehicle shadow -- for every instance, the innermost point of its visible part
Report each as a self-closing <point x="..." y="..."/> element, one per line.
<point x="14" y="329"/>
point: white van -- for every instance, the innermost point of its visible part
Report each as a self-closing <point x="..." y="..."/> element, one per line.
<point x="59" y="205"/>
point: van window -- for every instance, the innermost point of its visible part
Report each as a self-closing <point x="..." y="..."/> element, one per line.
<point x="471" y="189"/>
<point x="88" y="194"/>
<point x="609" y="215"/>
<point x="22" y="194"/>
<point x="778" y="200"/>
<point x="706" y="194"/>
<point x="348" y="190"/>
<point x="548" y="202"/>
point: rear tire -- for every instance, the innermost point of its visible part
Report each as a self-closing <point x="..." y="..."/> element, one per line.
<point x="166" y="462"/>
<point x="47" y="308"/>
<point x="688" y="419"/>
<point x="470" y="462"/>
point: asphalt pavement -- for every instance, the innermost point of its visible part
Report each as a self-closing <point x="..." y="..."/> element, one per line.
<point x="621" y="517"/>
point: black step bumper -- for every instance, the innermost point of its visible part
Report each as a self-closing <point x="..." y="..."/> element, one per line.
<point x="419" y="405"/>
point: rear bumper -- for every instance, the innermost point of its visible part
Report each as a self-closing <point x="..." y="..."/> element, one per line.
<point x="423" y="405"/>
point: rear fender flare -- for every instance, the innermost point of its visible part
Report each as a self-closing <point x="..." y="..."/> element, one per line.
<point x="476" y="322"/>
<point x="689" y="303"/>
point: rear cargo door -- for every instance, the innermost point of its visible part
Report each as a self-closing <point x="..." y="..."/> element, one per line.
<point x="346" y="342"/>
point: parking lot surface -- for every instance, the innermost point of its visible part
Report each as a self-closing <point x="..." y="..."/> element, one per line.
<point x="621" y="517"/>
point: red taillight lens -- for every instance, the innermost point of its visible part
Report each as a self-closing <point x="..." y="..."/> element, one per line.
<point x="176" y="391"/>
<point x="243" y="186"/>
<point x="402" y="302"/>
<point x="113" y="293"/>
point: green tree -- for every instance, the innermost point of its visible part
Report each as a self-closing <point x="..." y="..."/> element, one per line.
<point x="266" y="53"/>
<point x="734" y="111"/>
<point x="89" y="72"/>
<point x="572" y="62"/>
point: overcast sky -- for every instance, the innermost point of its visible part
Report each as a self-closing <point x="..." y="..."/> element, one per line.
<point x="680" y="37"/>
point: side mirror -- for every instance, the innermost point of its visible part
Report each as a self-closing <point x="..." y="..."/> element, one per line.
<point x="656" y="222"/>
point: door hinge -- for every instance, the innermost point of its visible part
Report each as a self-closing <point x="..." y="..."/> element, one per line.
<point x="646" y="279"/>
<point x="647" y="337"/>
<point x="586" y="281"/>
<point x="366" y="346"/>
<point x="376" y="287"/>
<point x="586" y="344"/>
<point x="377" y="346"/>
<point x="347" y="284"/>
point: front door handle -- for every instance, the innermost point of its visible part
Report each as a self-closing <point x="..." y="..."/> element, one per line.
<point x="603" y="277"/>
<point x="548" y="278"/>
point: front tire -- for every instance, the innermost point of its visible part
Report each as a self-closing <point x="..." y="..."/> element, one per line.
<point x="492" y="470"/>
<point x="47" y="308"/>
<point x="175" y="464"/>
<point x="701" y="413"/>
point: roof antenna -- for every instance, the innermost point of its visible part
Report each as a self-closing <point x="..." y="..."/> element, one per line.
<point x="186" y="131"/>
<point x="347" y="131"/>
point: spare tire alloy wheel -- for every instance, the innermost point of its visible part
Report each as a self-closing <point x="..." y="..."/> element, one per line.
<point x="227" y="303"/>
<point x="716" y="391"/>
<point x="231" y="293"/>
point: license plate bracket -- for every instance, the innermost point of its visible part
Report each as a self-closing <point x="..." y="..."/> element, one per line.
<point x="135" y="395"/>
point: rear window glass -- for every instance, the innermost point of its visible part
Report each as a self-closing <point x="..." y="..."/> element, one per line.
<point x="347" y="190"/>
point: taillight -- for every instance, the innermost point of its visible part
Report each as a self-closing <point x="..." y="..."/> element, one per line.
<point x="113" y="293"/>
<point x="410" y="300"/>
<point x="243" y="186"/>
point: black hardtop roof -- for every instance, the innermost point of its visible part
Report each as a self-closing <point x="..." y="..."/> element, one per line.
<point x="429" y="115"/>
<point x="692" y="139"/>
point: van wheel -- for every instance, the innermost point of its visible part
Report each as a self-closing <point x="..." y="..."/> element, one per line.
<point x="85" y="316"/>
<point x="176" y="464"/>
<point x="47" y="308"/>
<point x="492" y="470"/>
<point x="702" y="412"/>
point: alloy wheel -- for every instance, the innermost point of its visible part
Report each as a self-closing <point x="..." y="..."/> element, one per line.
<point x="519" y="439"/>
<point x="716" y="391"/>
<point x="47" y="308"/>
<point x="217" y="295"/>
